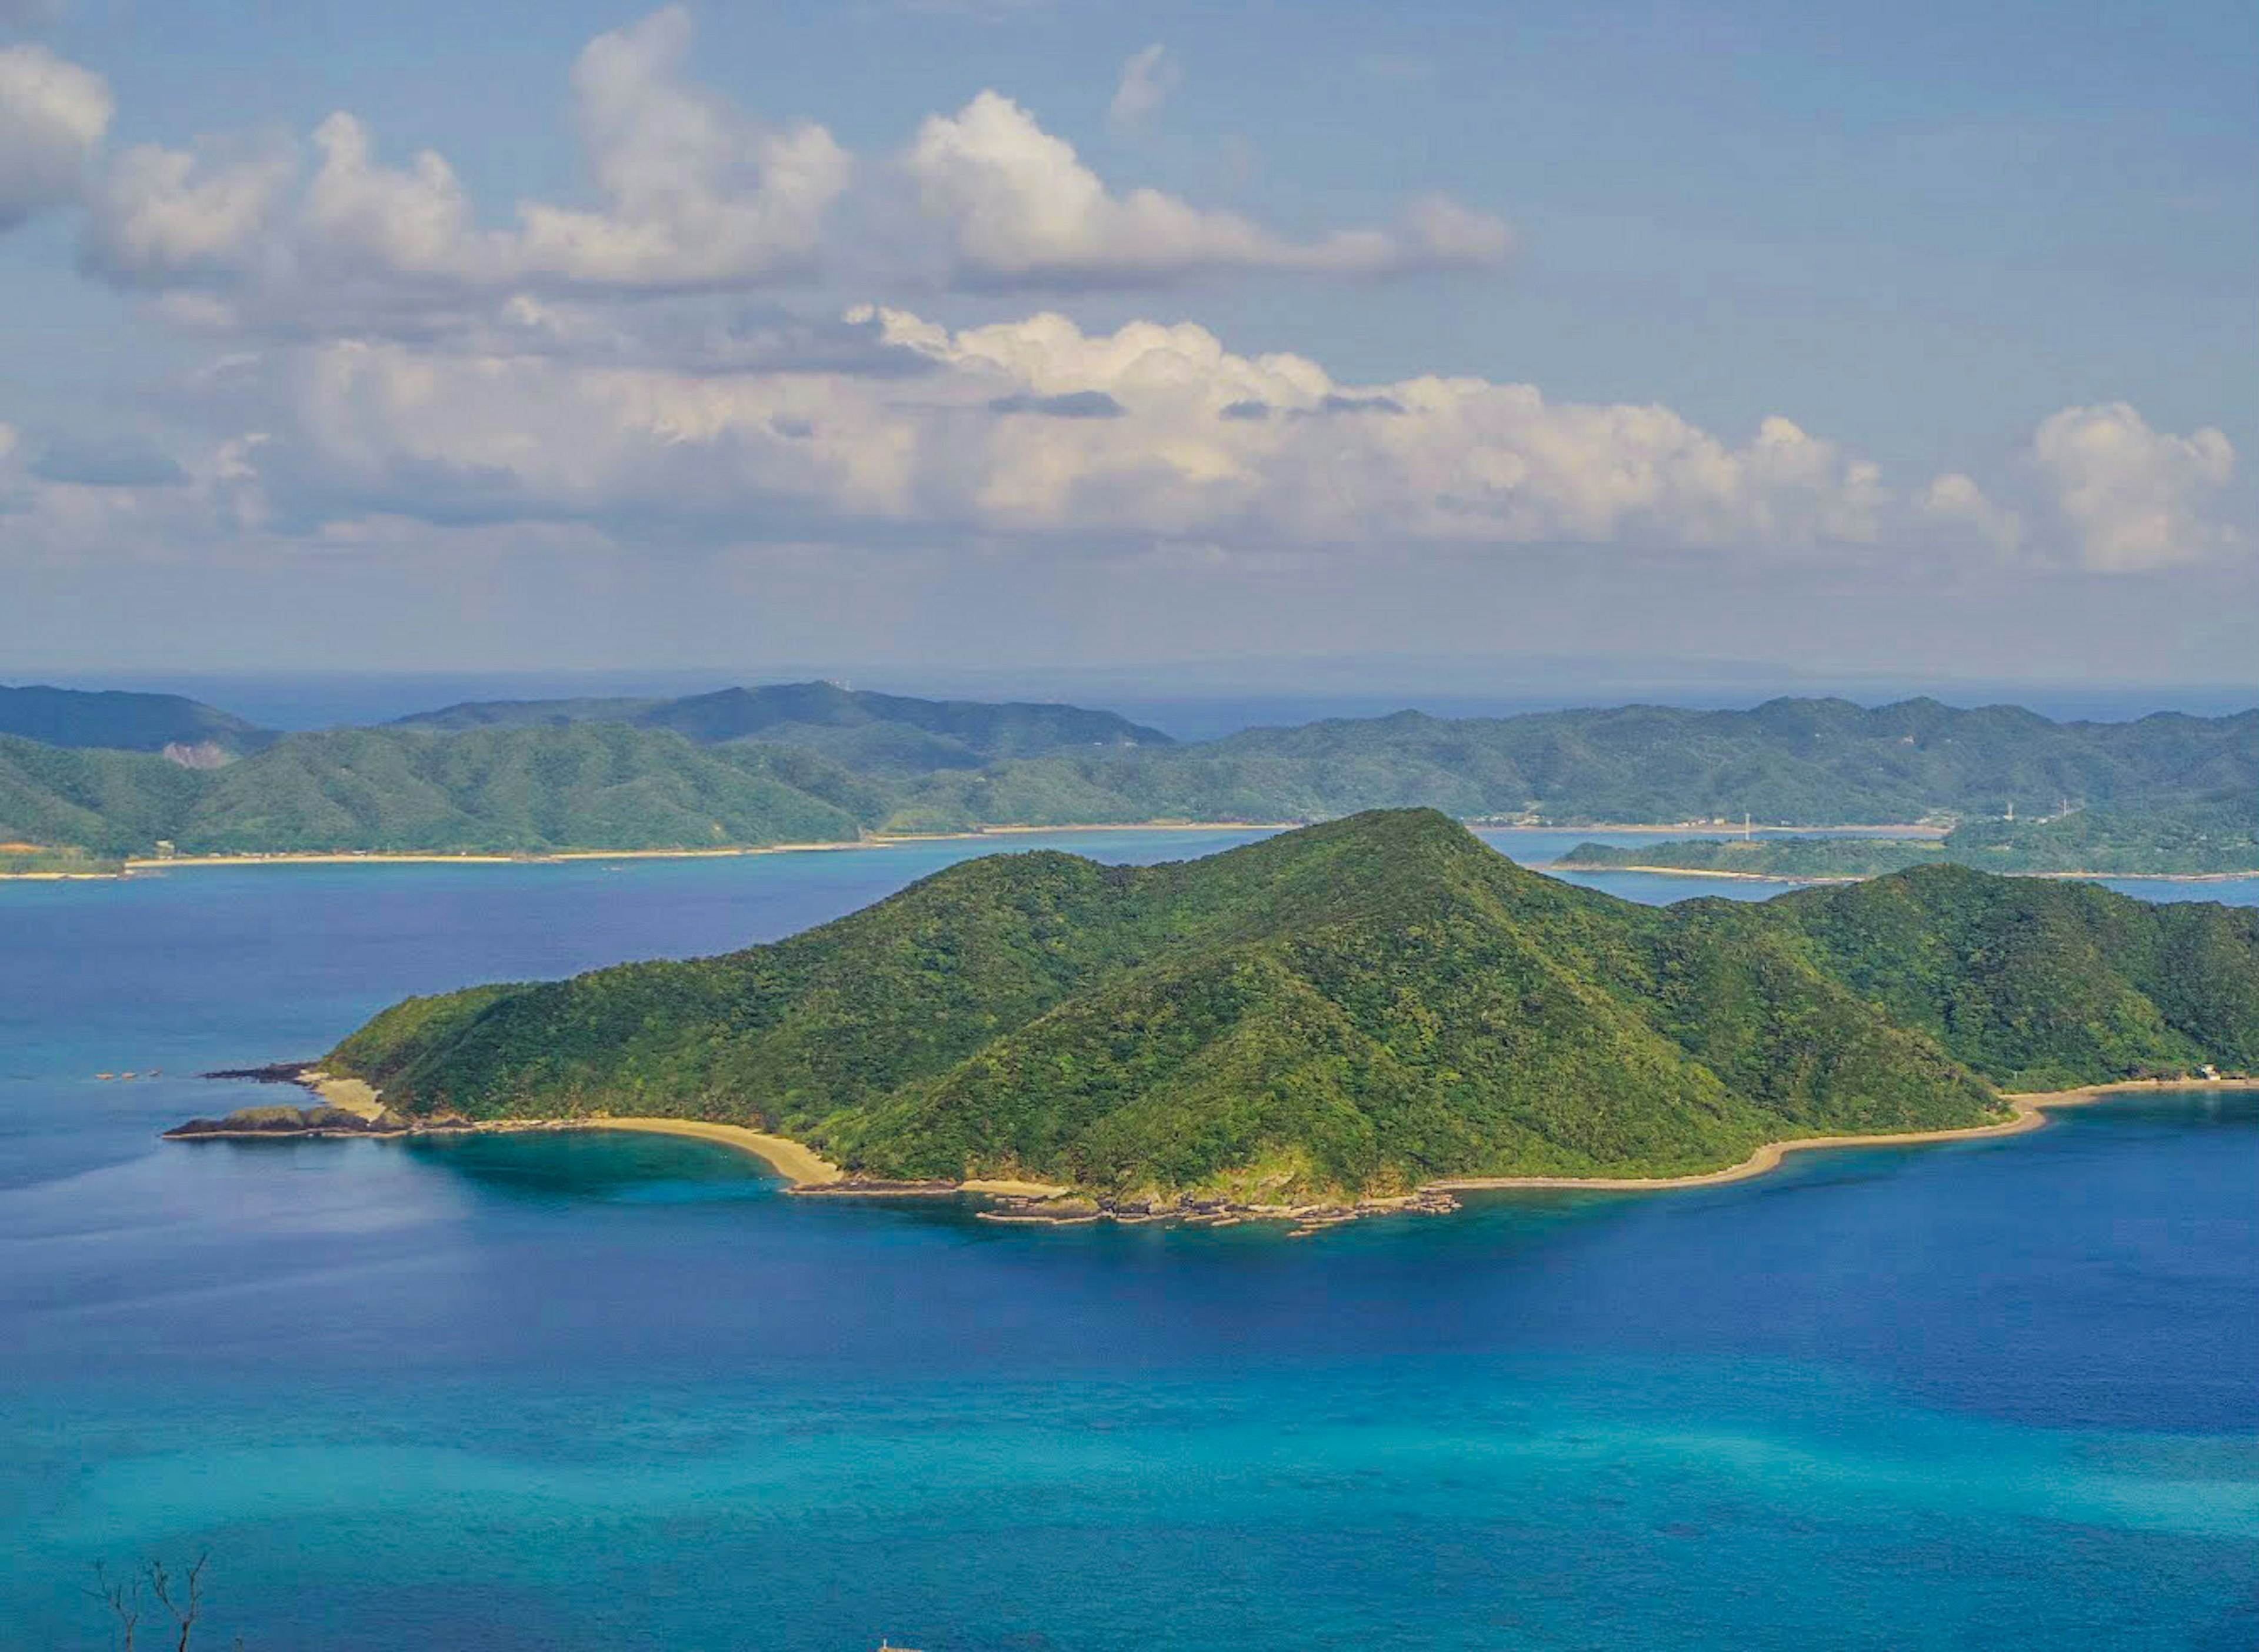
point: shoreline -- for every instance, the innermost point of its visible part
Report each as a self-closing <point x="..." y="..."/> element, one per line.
<point x="2030" y="1110"/>
<point x="807" y="1172"/>
<point x="1810" y="878"/>
<point x="554" y="857"/>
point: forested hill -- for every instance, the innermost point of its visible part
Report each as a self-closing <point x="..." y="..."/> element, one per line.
<point x="893" y="733"/>
<point x="1788" y="762"/>
<point x="504" y="790"/>
<point x="707" y="771"/>
<point x="115" y="720"/>
<point x="1358" y="1006"/>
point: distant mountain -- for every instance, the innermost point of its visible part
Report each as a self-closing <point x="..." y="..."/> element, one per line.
<point x="497" y="790"/>
<point x="1787" y="762"/>
<point x="673" y="773"/>
<point x="883" y="733"/>
<point x="1353" y="1008"/>
<point x="113" y="720"/>
<point x="2212" y="836"/>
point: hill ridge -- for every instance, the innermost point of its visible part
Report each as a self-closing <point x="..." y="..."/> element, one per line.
<point x="1358" y="1007"/>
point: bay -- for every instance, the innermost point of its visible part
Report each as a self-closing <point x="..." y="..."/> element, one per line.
<point x="618" y="1392"/>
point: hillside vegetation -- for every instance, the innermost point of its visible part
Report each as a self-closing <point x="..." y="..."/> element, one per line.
<point x="2216" y="835"/>
<point x="1358" y="1006"/>
<point x="890" y="733"/>
<point x="1788" y="762"/>
<point x="115" y="720"/>
<point x="792" y="761"/>
<point x="509" y="790"/>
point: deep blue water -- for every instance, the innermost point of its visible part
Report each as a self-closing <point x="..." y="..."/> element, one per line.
<point x="586" y="1394"/>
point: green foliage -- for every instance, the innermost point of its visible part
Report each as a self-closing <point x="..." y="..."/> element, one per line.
<point x="497" y="790"/>
<point x="23" y="861"/>
<point x="815" y="761"/>
<point x="110" y="803"/>
<point x="1788" y="762"/>
<point x="1360" y="1005"/>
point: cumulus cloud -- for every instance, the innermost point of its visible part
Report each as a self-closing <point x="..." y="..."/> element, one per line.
<point x="1957" y="504"/>
<point x="161" y="214"/>
<point x="693" y="194"/>
<point x="2131" y="498"/>
<point x="54" y="116"/>
<point x="1021" y="209"/>
<point x="1036" y="430"/>
<point x="696" y="193"/>
<point x="1148" y="78"/>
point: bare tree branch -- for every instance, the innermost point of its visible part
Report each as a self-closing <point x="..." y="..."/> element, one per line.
<point x="191" y="1601"/>
<point x="122" y="1600"/>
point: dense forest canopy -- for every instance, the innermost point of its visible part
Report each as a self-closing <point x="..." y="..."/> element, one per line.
<point x="1356" y="1006"/>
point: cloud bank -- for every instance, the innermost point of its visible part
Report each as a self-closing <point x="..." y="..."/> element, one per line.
<point x="394" y="352"/>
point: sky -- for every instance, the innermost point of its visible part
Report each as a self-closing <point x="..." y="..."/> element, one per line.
<point x="1046" y="335"/>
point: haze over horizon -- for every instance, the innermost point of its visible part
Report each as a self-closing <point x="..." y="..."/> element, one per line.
<point x="944" y="340"/>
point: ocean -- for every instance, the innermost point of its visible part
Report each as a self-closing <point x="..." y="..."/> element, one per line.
<point x="610" y="1393"/>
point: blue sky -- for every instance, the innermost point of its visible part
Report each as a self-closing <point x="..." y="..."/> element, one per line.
<point x="1008" y="331"/>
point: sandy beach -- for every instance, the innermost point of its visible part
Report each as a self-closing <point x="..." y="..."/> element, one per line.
<point x="802" y="1167"/>
<point x="798" y="1163"/>
<point x="348" y="1095"/>
<point x="2031" y="1108"/>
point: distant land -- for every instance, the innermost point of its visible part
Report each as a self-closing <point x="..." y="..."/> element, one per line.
<point x="2215" y="837"/>
<point x="1352" y="1010"/>
<point x="119" y="721"/>
<point x="820" y="762"/>
<point x="891" y="733"/>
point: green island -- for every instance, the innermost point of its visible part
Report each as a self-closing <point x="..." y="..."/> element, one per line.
<point x="2209" y="836"/>
<point x="123" y="777"/>
<point x="1357" y="1009"/>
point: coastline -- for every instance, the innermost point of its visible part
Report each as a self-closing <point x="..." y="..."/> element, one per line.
<point x="1810" y="879"/>
<point x="553" y="857"/>
<point x="1019" y="1202"/>
<point x="2030" y="1110"/>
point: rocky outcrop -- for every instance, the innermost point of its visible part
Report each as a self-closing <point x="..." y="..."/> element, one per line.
<point x="290" y="1120"/>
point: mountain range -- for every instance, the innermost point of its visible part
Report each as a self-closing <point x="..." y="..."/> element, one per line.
<point x="116" y="775"/>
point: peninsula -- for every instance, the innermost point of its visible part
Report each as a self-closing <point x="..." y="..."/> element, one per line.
<point x="2209" y="835"/>
<point x="1351" y="1012"/>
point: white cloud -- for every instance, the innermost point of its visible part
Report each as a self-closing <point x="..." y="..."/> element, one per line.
<point x="1022" y="208"/>
<point x="697" y="194"/>
<point x="2131" y="498"/>
<point x="693" y="194"/>
<point x="52" y="117"/>
<point x="1148" y="78"/>
<point x="1037" y="430"/>
<point x="161" y="214"/>
<point x="1956" y="503"/>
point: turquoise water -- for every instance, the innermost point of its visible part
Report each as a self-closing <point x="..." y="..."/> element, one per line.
<point x="595" y="1392"/>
